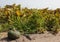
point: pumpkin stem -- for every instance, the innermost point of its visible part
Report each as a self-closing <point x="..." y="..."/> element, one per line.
<point x="14" y="29"/>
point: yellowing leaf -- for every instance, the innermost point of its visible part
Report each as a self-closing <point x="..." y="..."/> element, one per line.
<point x="6" y="12"/>
<point x="18" y="13"/>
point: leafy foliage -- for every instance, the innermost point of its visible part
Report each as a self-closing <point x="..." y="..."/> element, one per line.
<point x="29" y="20"/>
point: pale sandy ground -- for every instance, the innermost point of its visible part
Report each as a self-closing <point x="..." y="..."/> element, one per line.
<point x="46" y="37"/>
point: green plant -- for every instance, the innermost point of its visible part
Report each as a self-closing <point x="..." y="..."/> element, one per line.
<point x="52" y="23"/>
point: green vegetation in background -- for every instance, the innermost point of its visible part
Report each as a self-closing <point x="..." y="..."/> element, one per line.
<point x="29" y="21"/>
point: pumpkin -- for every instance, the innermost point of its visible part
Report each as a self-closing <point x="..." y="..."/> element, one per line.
<point x="13" y="34"/>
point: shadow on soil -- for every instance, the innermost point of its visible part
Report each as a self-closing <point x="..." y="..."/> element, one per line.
<point x="6" y="39"/>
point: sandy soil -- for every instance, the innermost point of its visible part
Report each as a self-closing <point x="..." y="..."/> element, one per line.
<point x="46" y="37"/>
